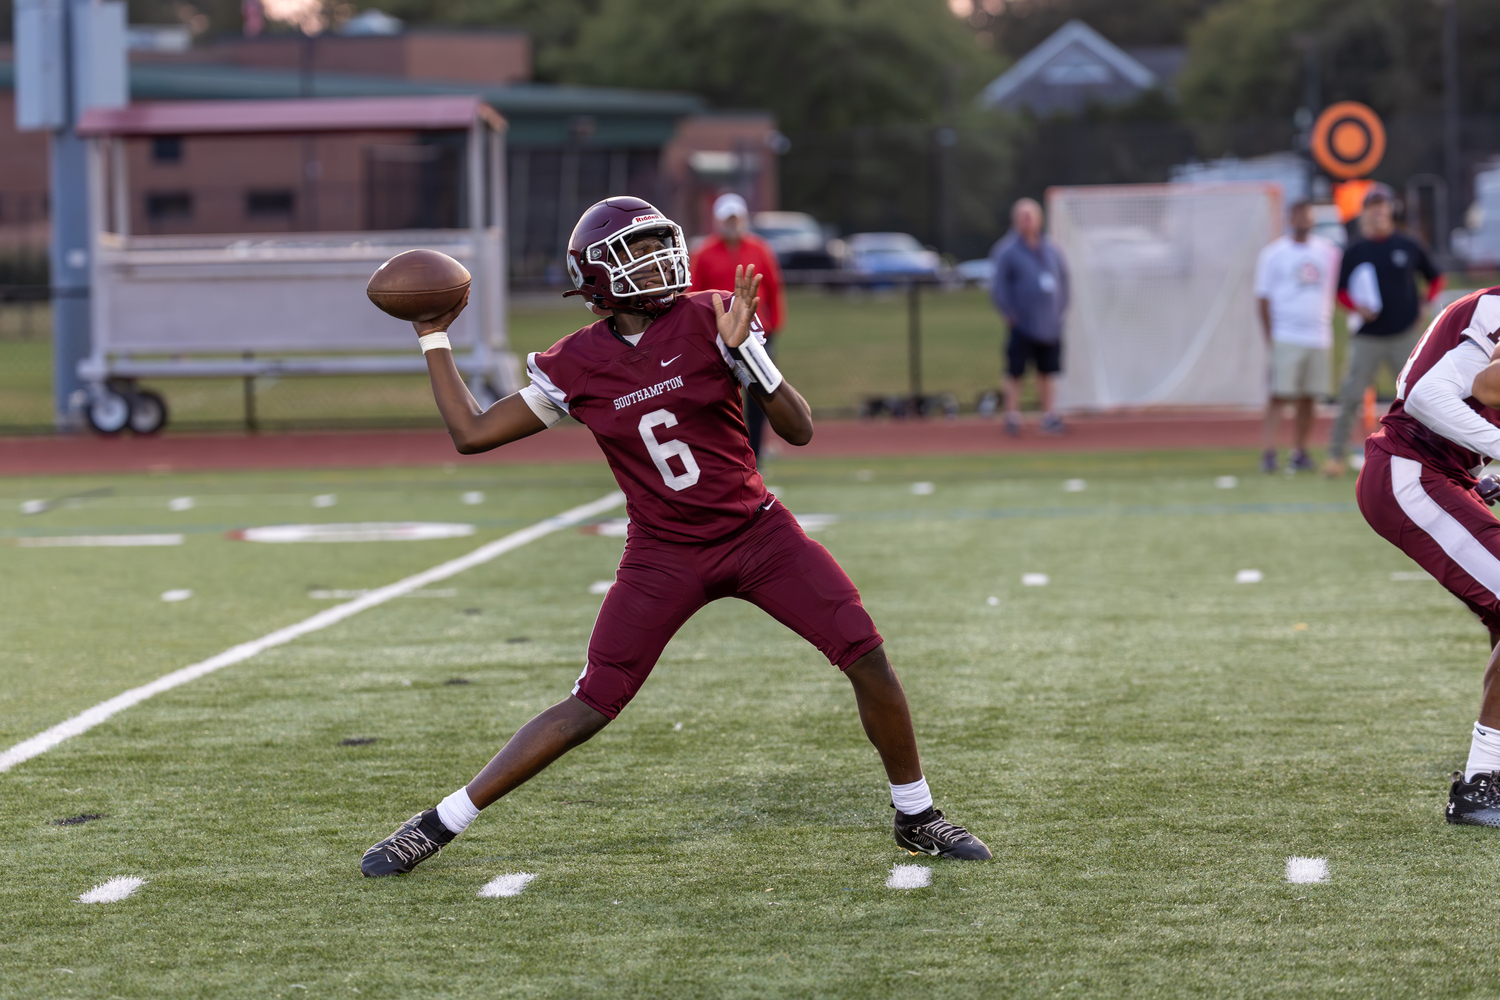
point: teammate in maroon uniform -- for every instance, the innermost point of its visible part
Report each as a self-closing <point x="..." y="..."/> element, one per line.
<point x="1418" y="490"/>
<point x="658" y="381"/>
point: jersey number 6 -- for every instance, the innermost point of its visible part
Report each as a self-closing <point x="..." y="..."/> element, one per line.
<point x="660" y="451"/>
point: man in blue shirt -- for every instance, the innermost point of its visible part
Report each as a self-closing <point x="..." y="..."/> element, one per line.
<point x="1030" y="289"/>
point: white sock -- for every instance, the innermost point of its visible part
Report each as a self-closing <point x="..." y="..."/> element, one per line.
<point x="457" y="811"/>
<point x="1484" y="752"/>
<point x="913" y="798"/>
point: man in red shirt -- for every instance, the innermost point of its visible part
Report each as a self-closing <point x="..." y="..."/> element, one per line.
<point x="658" y="379"/>
<point x="732" y="246"/>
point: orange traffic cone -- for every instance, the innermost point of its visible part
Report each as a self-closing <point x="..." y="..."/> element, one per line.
<point x="1368" y="410"/>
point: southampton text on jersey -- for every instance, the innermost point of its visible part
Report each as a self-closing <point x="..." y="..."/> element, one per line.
<point x="649" y="392"/>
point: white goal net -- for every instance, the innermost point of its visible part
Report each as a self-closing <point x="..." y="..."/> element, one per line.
<point x="1163" y="307"/>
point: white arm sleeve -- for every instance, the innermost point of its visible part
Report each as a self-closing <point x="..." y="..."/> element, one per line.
<point x="545" y="399"/>
<point x="756" y="331"/>
<point x="1437" y="400"/>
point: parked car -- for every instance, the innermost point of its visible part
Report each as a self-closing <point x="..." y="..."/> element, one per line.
<point x="799" y="241"/>
<point x="979" y="271"/>
<point x="891" y="253"/>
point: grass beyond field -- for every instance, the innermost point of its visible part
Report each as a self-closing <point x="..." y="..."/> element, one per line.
<point x="1143" y="741"/>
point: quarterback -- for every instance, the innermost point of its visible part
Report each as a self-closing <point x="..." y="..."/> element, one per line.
<point x="658" y="380"/>
<point x="1418" y="490"/>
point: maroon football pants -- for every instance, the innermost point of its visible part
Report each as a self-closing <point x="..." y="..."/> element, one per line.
<point x="1440" y="523"/>
<point x="660" y="585"/>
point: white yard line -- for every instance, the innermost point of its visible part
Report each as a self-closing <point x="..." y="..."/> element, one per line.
<point x="88" y="719"/>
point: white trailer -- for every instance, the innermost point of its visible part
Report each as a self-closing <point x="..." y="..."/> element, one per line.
<point x="283" y="304"/>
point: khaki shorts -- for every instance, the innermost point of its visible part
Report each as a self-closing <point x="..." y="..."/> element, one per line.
<point x="1299" y="372"/>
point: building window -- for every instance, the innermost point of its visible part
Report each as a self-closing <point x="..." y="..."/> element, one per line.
<point x="163" y="205"/>
<point x="166" y="149"/>
<point x="273" y="204"/>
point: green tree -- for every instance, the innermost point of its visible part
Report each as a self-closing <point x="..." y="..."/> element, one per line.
<point x="1246" y="58"/>
<point x="1015" y="27"/>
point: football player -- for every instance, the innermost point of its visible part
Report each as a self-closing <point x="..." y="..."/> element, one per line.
<point x="658" y="380"/>
<point x="1418" y="490"/>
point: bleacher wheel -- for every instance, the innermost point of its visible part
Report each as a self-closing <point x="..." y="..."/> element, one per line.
<point x="148" y="412"/>
<point x="108" y="412"/>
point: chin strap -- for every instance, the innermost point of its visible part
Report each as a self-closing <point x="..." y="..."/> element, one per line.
<point x="760" y="372"/>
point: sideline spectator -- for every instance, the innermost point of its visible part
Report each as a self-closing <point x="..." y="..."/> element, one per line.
<point x="1383" y="309"/>
<point x="1030" y="289"/>
<point x="1296" y="278"/>
<point x="731" y="246"/>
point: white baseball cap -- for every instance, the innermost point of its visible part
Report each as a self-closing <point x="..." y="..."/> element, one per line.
<point x="730" y="204"/>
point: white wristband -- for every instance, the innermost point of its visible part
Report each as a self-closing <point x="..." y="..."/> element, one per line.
<point x="758" y="364"/>
<point x="432" y="341"/>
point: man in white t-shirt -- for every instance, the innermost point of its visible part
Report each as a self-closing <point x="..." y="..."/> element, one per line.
<point x="1296" y="279"/>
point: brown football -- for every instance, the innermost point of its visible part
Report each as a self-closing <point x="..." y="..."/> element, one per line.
<point x="418" y="285"/>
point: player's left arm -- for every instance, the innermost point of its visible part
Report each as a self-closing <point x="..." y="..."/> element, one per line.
<point x="784" y="407"/>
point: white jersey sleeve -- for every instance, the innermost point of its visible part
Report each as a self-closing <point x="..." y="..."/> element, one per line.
<point x="545" y="399"/>
<point x="1438" y="400"/>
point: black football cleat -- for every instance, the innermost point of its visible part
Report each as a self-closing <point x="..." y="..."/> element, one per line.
<point x="1477" y="802"/>
<point x="929" y="833"/>
<point x="414" y="841"/>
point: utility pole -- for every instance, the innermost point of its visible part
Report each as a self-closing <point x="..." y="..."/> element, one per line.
<point x="1452" y="153"/>
<point x="70" y="56"/>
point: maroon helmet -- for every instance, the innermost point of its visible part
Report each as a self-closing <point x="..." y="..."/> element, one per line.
<point x="603" y="269"/>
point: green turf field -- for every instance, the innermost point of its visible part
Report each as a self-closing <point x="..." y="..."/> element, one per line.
<point x="1143" y="741"/>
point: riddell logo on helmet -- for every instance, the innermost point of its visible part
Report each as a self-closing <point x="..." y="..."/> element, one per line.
<point x="645" y="218"/>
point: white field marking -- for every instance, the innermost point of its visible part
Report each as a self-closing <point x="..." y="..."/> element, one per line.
<point x="816" y="522"/>
<point x="1307" y="870"/>
<point x="473" y="498"/>
<point x="909" y="877"/>
<point x="368" y="531"/>
<point x="173" y="596"/>
<point x="505" y="885"/>
<point x="923" y="489"/>
<point x="344" y="595"/>
<point x="601" y="586"/>
<point x="1407" y="574"/>
<point x="1226" y="482"/>
<point x="613" y="527"/>
<point x="325" y="499"/>
<point x="1249" y="576"/>
<point x="1034" y="580"/>
<point x="96" y="541"/>
<point x="864" y="475"/>
<point x="113" y="891"/>
<point x="677" y="728"/>
<point x="992" y="601"/>
<point x="1075" y="485"/>
<point x="88" y="719"/>
<point x="181" y="503"/>
<point x="34" y="506"/>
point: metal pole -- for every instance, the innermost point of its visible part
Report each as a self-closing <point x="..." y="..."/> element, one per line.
<point x="252" y="425"/>
<point x="1452" y="165"/>
<point x="914" y="342"/>
<point x="69" y="258"/>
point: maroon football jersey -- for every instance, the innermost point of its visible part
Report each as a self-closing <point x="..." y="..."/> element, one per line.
<point x="1403" y="434"/>
<point x="668" y="415"/>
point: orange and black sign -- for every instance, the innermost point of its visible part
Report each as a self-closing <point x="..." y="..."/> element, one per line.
<point x="1348" y="140"/>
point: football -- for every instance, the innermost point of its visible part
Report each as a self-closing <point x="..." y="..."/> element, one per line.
<point x="418" y="285"/>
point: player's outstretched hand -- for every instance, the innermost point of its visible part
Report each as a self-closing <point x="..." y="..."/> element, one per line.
<point x="734" y="325"/>
<point x="441" y="323"/>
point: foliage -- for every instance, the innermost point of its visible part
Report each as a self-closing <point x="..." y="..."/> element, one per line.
<point x="1246" y="61"/>
<point x="1018" y="26"/>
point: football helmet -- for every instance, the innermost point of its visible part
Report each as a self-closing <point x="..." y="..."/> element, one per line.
<point x="609" y="276"/>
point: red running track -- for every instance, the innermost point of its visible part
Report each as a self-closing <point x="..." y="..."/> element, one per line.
<point x="84" y="453"/>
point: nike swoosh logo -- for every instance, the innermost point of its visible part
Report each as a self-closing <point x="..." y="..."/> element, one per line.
<point x="665" y="363"/>
<point x="768" y="504"/>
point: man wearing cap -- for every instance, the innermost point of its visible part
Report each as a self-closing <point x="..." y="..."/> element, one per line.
<point x="733" y="245"/>
<point x="1378" y="285"/>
